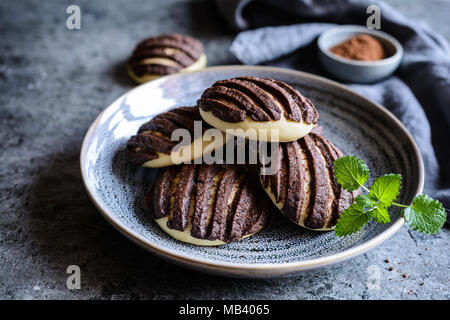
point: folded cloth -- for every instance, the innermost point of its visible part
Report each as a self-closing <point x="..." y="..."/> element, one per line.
<point x="418" y="93"/>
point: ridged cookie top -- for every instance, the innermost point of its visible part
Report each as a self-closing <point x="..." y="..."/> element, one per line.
<point x="261" y="99"/>
<point x="178" y="52"/>
<point x="216" y="202"/>
<point x="304" y="184"/>
<point x="155" y="135"/>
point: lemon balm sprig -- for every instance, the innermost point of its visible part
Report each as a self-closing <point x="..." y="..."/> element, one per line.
<point x="424" y="214"/>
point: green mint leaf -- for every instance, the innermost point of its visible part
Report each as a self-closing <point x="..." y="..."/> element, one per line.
<point x="425" y="214"/>
<point x="386" y="189"/>
<point x="351" y="172"/>
<point x="380" y="215"/>
<point x="364" y="201"/>
<point x="351" y="220"/>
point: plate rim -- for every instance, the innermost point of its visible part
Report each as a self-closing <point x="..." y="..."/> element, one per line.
<point x="248" y="268"/>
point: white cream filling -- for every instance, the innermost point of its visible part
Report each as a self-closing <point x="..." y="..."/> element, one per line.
<point x="162" y="61"/>
<point x="188" y="153"/>
<point x="199" y="64"/>
<point x="282" y="130"/>
<point x="185" y="236"/>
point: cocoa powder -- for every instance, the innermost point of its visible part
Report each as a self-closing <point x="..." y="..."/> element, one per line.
<point x="361" y="47"/>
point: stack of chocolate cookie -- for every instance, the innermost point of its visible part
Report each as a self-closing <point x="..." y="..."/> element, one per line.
<point x="214" y="204"/>
<point x="165" y="54"/>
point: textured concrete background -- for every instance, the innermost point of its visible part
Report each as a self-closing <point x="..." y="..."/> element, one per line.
<point x="54" y="82"/>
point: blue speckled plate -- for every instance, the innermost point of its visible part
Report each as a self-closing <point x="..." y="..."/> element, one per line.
<point x="356" y="125"/>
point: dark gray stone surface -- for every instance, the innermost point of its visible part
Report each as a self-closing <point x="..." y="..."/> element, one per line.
<point x="53" y="83"/>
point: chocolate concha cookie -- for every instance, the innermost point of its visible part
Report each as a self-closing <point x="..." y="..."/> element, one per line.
<point x="208" y="205"/>
<point x="304" y="186"/>
<point x="165" y="54"/>
<point x="152" y="145"/>
<point x="258" y="103"/>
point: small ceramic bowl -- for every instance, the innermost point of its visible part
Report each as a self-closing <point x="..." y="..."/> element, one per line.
<point x="354" y="70"/>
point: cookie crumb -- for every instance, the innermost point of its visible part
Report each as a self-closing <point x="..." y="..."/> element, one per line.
<point x="421" y="284"/>
<point x="390" y="268"/>
<point x="387" y="260"/>
<point x="404" y="275"/>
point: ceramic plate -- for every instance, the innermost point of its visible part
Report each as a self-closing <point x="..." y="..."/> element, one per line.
<point x="356" y="125"/>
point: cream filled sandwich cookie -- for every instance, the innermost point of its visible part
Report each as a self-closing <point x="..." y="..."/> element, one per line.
<point x="304" y="186"/>
<point x="153" y="146"/>
<point x="165" y="54"/>
<point x="208" y="205"/>
<point x="272" y="109"/>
